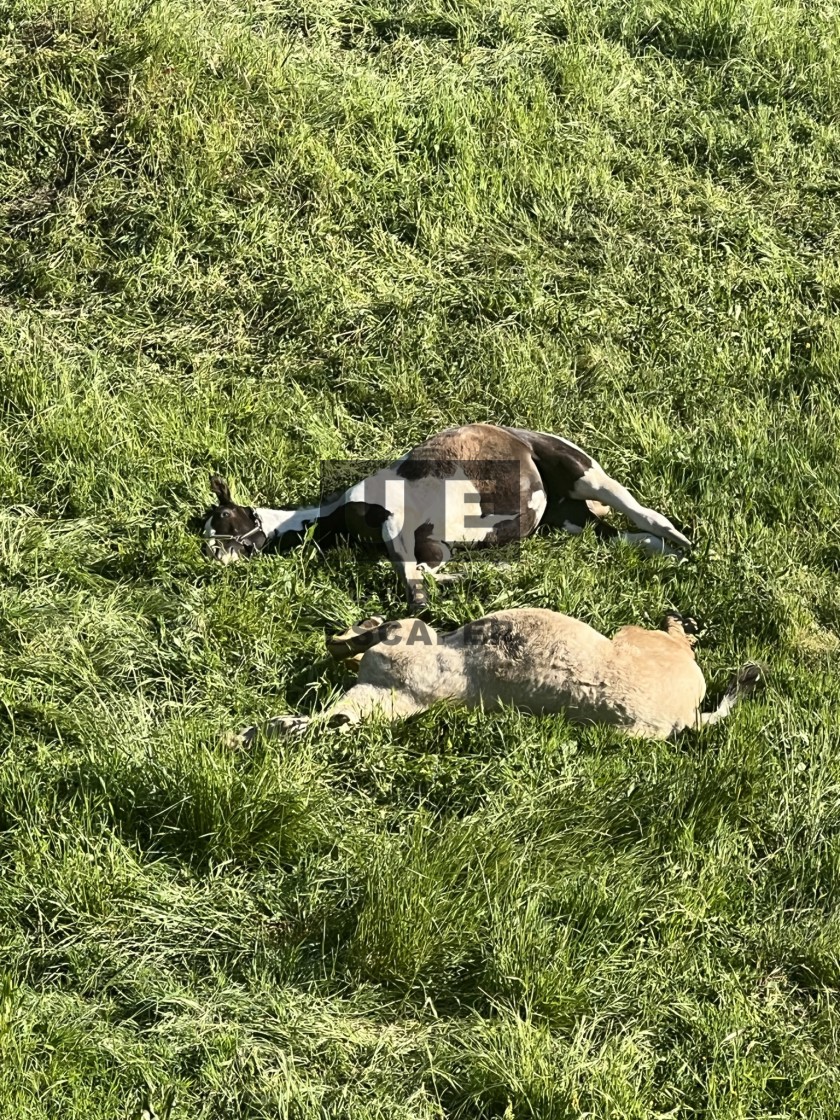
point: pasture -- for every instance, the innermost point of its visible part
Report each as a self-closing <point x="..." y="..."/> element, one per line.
<point x="248" y="235"/>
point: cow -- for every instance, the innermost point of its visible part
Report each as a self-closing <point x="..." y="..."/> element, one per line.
<point x="480" y="485"/>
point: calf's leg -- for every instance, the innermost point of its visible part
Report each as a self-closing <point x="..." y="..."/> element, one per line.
<point x="358" y="703"/>
<point x="743" y="684"/>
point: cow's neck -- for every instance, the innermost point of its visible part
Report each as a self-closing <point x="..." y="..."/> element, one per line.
<point x="328" y="519"/>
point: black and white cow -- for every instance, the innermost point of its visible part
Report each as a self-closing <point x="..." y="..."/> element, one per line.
<point x="479" y="485"/>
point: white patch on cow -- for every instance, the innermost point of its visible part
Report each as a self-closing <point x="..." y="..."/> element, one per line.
<point x="215" y="548"/>
<point x="371" y="491"/>
<point x="277" y="521"/>
<point x="394" y="502"/>
<point x="386" y="489"/>
<point x="391" y="530"/>
<point x="538" y="503"/>
<point x="451" y="507"/>
<point x="463" y="504"/>
<point x="411" y="503"/>
<point x="358" y="491"/>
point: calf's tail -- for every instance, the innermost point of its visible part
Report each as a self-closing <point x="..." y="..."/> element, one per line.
<point x="743" y="684"/>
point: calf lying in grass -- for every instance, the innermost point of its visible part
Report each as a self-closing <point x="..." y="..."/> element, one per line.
<point x="478" y="485"/>
<point x="646" y="682"/>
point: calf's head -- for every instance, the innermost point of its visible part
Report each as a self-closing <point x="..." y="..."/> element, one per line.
<point x="231" y="531"/>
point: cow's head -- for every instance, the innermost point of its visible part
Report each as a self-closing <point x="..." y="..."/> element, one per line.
<point x="231" y="531"/>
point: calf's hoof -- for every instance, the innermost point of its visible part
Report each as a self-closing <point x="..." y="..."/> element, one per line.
<point x="278" y="727"/>
<point x="749" y="678"/>
<point x="683" y="544"/>
<point x="418" y="606"/>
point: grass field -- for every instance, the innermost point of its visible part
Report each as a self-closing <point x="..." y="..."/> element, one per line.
<point x="245" y="236"/>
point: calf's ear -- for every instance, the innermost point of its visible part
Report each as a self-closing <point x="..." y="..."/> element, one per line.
<point x="221" y="489"/>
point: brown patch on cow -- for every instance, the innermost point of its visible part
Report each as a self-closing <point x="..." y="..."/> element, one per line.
<point x="510" y="465"/>
<point x="559" y="463"/>
<point x="496" y="461"/>
<point x="413" y="468"/>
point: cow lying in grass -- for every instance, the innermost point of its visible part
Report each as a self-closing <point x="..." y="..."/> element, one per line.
<point x="646" y="682"/>
<point x="478" y="485"/>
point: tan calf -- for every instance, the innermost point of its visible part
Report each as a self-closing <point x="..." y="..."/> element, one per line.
<point x="646" y="682"/>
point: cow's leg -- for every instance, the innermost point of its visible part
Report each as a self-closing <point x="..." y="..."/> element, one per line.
<point x="596" y="485"/>
<point x="574" y="514"/>
<point x="651" y="543"/>
<point x="410" y="574"/>
<point x="399" y="544"/>
<point x="433" y="554"/>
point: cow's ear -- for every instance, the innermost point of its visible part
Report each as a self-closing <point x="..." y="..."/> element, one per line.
<point x="221" y="489"/>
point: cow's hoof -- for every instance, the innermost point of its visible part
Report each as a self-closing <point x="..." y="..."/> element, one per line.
<point x="679" y="539"/>
<point x="656" y="546"/>
<point x="450" y="577"/>
<point x="418" y="606"/>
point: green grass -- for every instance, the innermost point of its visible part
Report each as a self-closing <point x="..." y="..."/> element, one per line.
<point x="250" y="234"/>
